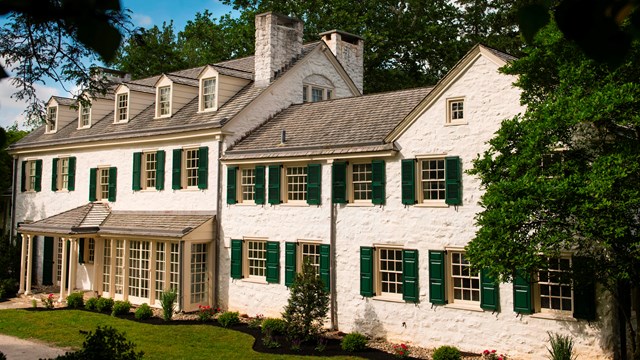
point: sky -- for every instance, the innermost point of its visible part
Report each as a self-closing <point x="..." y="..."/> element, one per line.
<point x="144" y="13"/>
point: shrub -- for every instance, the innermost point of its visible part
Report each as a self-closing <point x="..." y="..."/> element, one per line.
<point x="48" y="301"/>
<point x="8" y="288"/>
<point x="446" y="353"/>
<point x="307" y="306"/>
<point x="561" y="347"/>
<point x="75" y="300"/>
<point x="229" y="318"/>
<point x="205" y="312"/>
<point x="168" y="301"/>
<point x="121" y="308"/>
<point x="256" y="322"/>
<point x="143" y="312"/>
<point x="91" y="304"/>
<point x="270" y="342"/>
<point x="105" y="343"/>
<point x="273" y="326"/>
<point x="354" y="342"/>
<point x="104" y="305"/>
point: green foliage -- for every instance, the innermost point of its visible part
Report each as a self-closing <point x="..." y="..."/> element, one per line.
<point x="256" y="322"/>
<point x="75" y="300"/>
<point x="270" y="342"/>
<point x="561" y="347"/>
<point x="307" y="306"/>
<point x="143" y="312"/>
<point x="273" y="326"/>
<point x="104" y="304"/>
<point x="48" y="301"/>
<point x="8" y="288"/>
<point x="168" y="301"/>
<point x="121" y="308"/>
<point x="34" y="303"/>
<point x="228" y="319"/>
<point x="354" y="342"/>
<point x="2" y="356"/>
<point x="446" y="353"/>
<point x="7" y="137"/>
<point x="91" y="304"/>
<point x="105" y="343"/>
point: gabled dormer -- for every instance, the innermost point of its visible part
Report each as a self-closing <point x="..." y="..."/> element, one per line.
<point x="172" y="93"/>
<point x="217" y="85"/>
<point x="129" y="100"/>
<point x="59" y="113"/>
<point x="97" y="108"/>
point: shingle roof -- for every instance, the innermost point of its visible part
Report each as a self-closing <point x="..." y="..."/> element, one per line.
<point x="141" y="88"/>
<point x="334" y="126"/>
<point x="502" y="55"/>
<point x="64" y="101"/>
<point x="82" y="219"/>
<point x="152" y="223"/>
<point x="183" y="80"/>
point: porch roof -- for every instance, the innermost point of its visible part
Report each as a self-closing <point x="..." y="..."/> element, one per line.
<point x="81" y="220"/>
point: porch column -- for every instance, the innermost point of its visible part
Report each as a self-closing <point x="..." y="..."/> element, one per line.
<point x="73" y="265"/>
<point x="23" y="259"/>
<point x="27" y="290"/>
<point x="63" y="276"/>
<point x="98" y="261"/>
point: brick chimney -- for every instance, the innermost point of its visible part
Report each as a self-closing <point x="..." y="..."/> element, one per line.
<point x="349" y="50"/>
<point x="278" y="42"/>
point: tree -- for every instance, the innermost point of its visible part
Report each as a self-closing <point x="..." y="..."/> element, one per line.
<point x="564" y="175"/>
<point x="7" y="137"/>
<point x="55" y="39"/>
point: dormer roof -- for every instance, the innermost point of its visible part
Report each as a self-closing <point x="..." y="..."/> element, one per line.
<point x="62" y="101"/>
<point x="178" y="79"/>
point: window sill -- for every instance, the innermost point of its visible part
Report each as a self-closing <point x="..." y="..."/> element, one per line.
<point x="467" y="307"/>
<point x="148" y="190"/>
<point x="388" y="299"/>
<point x="191" y="189"/>
<point x="432" y="205"/>
<point x="62" y="191"/>
<point x="162" y="117"/>
<point x="255" y="281"/>
<point x="456" y="123"/>
<point x="361" y="204"/>
<point x="213" y="109"/>
<point x="553" y="316"/>
<point x="295" y="204"/>
<point x="244" y="204"/>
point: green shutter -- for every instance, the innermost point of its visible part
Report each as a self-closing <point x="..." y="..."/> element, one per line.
<point x="236" y="259"/>
<point x="289" y="262"/>
<point x="325" y="265"/>
<point x="339" y="182"/>
<point x="408" y="169"/>
<point x="203" y="167"/>
<point x="231" y="185"/>
<point x="259" y="185"/>
<point x="113" y="178"/>
<point x="274" y="184"/>
<point x="522" y="293"/>
<point x="72" y="174"/>
<point x="489" y="292"/>
<point x="176" y="175"/>
<point x="273" y="262"/>
<point x="314" y="184"/>
<point x="378" y="182"/>
<point x="366" y="271"/>
<point x="38" y="186"/>
<point x="160" y="159"/>
<point x="453" y="181"/>
<point x="437" y="289"/>
<point x="410" y="270"/>
<point x="584" y="290"/>
<point x="81" y="250"/>
<point x="137" y="165"/>
<point x="23" y="179"/>
<point x="47" y="261"/>
<point x="54" y="175"/>
<point x="93" y="172"/>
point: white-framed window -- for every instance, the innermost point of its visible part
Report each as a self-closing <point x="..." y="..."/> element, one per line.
<point x="122" y="107"/>
<point x="361" y="182"/>
<point x="464" y="284"/>
<point x="139" y="255"/>
<point x="102" y="186"/>
<point x="106" y="266"/>
<point x="314" y="93"/>
<point x="455" y="110"/>
<point x="389" y="265"/>
<point x="247" y="185"/>
<point x="296" y="183"/>
<point x="164" y="101"/>
<point x="199" y="259"/>
<point x="59" y="260"/>
<point x="555" y="293"/>
<point x="256" y="256"/>
<point x="52" y="119"/>
<point x="89" y="250"/>
<point x="160" y="269"/>
<point x="309" y="252"/>
<point x="149" y="170"/>
<point x="31" y="178"/>
<point x="85" y="116"/>
<point x="119" y="262"/>
<point x="174" y="266"/>
<point x="208" y="94"/>
<point x="191" y="167"/>
<point x="432" y="179"/>
<point x="62" y="173"/>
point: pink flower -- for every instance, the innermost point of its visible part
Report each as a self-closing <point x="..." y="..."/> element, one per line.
<point x="493" y="351"/>
<point x="486" y="352"/>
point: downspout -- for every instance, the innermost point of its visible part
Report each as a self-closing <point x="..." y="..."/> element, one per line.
<point x="14" y="189"/>
<point x="332" y="255"/>
<point x="216" y="262"/>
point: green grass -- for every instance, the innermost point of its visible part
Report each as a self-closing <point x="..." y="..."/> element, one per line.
<point x="61" y="328"/>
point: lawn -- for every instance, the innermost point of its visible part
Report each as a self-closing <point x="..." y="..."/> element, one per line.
<point x="62" y="328"/>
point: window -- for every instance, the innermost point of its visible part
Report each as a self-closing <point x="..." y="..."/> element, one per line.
<point x="361" y="180"/>
<point x="148" y="170"/>
<point x="63" y="174"/>
<point x="139" y="255"/>
<point x="31" y="175"/>
<point x="465" y="284"/>
<point x="160" y="269"/>
<point x="455" y="110"/>
<point x="311" y="93"/>
<point x="208" y="94"/>
<point x="432" y="181"/>
<point x="255" y="259"/>
<point x="315" y="252"/>
<point x="361" y="183"/>
<point x="248" y="184"/>
<point x="102" y="184"/>
<point x="85" y="116"/>
<point x="190" y="168"/>
<point x="106" y="267"/>
<point x="310" y="252"/>
<point x="164" y="101"/>
<point x="122" y="107"/>
<point x="389" y="272"/>
<point x="438" y="180"/>
<point x="91" y="249"/>
<point x="52" y="119"/>
<point x="296" y="183"/>
<point x="199" y="288"/>
<point x="555" y="291"/>
<point x="103" y="187"/>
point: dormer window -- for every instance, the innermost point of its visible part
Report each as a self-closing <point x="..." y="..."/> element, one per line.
<point x="52" y="119"/>
<point x="122" y="108"/>
<point x="85" y="116"/>
<point x="164" y="101"/>
<point x="208" y="94"/>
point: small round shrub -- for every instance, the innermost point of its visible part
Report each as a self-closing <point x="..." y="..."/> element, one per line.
<point x="121" y="308"/>
<point x="229" y="318"/>
<point x="274" y="326"/>
<point x="91" y="303"/>
<point x="354" y="342"/>
<point x="75" y="300"/>
<point x="143" y="312"/>
<point x="446" y="353"/>
<point x="104" y="305"/>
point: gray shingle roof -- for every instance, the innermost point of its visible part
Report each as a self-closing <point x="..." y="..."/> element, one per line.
<point x="64" y="101"/>
<point x="334" y="126"/>
<point x="183" y="80"/>
<point x="502" y="55"/>
<point x="141" y="88"/>
<point x="80" y="220"/>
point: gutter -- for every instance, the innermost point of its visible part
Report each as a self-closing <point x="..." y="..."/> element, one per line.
<point x="13" y="199"/>
<point x="216" y="239"/>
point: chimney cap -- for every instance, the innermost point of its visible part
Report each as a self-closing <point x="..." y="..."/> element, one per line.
<point x="345" y="35"/>
<point x="285" y="20"/>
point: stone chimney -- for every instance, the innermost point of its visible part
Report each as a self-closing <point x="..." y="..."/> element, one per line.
<point x="278" y="42"/>
<point x="349" y="50"/>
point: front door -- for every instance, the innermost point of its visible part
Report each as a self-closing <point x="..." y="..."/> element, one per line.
<point x="47" y="261"/>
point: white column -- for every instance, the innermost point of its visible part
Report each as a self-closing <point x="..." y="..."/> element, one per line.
<point x="65" y="265"/>
<point x="23" y="259"/>
<point x="27" y="290"/>
<point x="73" y="266"/>
<point x="98" y="261"/>
<point x="125" y="269"/>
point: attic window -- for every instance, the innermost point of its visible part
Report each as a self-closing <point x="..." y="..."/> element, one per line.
<point x="313" y="93"/>
<point x="455" y="111"/>
<point x="208" y="94"/>
<point x="122" y="108"/>
<point x="52" y="119"/>
<point x="85" y="116"/>
<point x="164" y="101"/>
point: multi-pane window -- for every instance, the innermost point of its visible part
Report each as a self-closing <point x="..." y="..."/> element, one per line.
<point x="139" y="268"/>
<point x="310" y="253"/>
<point x="257" y="258"/>
<point x="164" y="101"/>
<point x="52" y="119"/>
<point x="361" y="180"/>
<point x="208" y="93"/>
<point x="465" y="283"/>
<point x="119" y="274"/>
<point x="91" y="247"/>
<point x="248" y="184"/>
<point x="106" y="267"/>
<point x="555" y="290"/>
<point x="63" y="171"/>
<point x="122" y="107"/>
<point x="198" y="273"/>
<point x="314" y="93"/>
<point x="59" y="260"/>
<point x="32" y="177"/>
<point x="174" y="266"/>
<point x="160" y="269"/>
<point x="150" y="164"/>
<point x="85" y="116"/>
<point x="432" y="179"/>
<point x="455" y="110"/>
<point x="390" y="271"/>
<point x="191" y="167"/>
<point x="103" y="185"/>
<point x="296" y="178"/>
